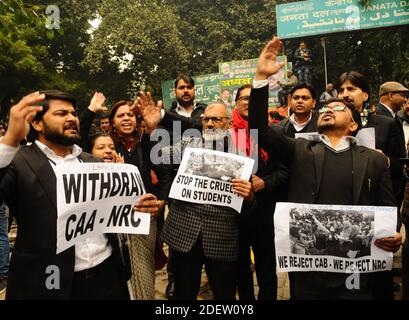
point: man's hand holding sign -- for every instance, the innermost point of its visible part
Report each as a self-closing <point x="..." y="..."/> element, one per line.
<point x="99" y="198"/>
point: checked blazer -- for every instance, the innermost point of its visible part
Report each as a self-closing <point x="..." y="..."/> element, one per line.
<point x="216" y="226"/>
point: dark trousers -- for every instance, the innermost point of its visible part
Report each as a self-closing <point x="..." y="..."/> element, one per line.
<point x="187" y="268"/>
<point x="257" y="233"/>
<point x="102" y="282"/>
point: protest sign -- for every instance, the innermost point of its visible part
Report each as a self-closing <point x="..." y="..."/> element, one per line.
<point x="204" y="176"/>
<point x="96" y="198"/>
<point x="332" y="238"/>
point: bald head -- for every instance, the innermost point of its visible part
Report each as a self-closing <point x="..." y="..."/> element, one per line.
<point x="218" y="108"/>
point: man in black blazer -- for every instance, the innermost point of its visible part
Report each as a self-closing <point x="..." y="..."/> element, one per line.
<point x="200" y="234"/>
<point x="302" y="104"/>
<point x="354" y="87"/>
<point x="93" y="269"/>
<point x="392" y="97"/>
<point x="321" y="173"/>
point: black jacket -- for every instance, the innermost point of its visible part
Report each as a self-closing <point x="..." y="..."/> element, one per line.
<point x="28" y="185"/>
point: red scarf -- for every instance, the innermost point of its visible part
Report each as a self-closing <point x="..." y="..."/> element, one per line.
<point x="250" y="146"/>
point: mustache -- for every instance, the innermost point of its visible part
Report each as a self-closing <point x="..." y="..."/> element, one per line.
<point x="70" y="126"/>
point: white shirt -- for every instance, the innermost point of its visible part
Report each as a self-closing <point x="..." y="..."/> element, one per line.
<point x="343" y="145"/>
<point x="90" y="251"/>
<point x="180" y="111"/>
<point x="405" y="126"/>
<point x="299" y="127"/>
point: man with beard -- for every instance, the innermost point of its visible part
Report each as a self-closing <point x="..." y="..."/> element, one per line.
<point x="200" y="234"/>
<point x="184" y="109"/>
<point x="333" y="170"/>
<point x="93" y="268"/>
<point x="354" y="87"/>
<point x="186" y="113"/>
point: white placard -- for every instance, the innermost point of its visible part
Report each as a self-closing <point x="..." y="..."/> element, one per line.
<point x="204" y="176"/>
<point x="96" y="198"/>
<point x="366" y="137"/>
<point x="332" y="238"/>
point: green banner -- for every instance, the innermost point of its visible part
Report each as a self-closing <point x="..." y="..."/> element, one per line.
<point x="207" y="89"/>
<point x="305" y="18"/>
<point x="235" y="74"/>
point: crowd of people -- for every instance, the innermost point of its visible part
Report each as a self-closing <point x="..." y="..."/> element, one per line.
<point x="331" y="233"/>
<point x="329" y="167"/>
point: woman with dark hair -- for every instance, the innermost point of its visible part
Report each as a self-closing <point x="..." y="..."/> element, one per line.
<point x="126" y="135"/>
<point x="102" y="146"/>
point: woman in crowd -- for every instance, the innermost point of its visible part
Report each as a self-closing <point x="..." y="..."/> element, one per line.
<point x="126" y="135"/>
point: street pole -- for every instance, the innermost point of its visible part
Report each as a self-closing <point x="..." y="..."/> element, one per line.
<point x="325" y="60"/>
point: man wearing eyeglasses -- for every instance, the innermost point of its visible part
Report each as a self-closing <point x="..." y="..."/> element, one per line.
<point x="392" y="96"/>
<point x="200" y="234"/>
<point x="321" y="173"/>
<point x="269" y="185"/>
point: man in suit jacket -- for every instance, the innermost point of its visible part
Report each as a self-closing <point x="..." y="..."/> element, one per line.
<point x="354" y="87"/>
<point x="302" y="104"/>
<point x="184" y="109"/>
<point x="200" y="234"/>
<point x="321" y="172"/>
<point x="392" y="97"/>
<point x="93" y="268"/>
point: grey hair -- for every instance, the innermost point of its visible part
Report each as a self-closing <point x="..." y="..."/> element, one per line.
<point x="228" y="110"/>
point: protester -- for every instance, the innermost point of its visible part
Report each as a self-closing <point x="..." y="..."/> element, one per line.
<point x="93" y="268"/>
<point x="102" y="146"/>
<point x="185" y="113"/>
<point x="354" y="87"/>
<point x="269" y="185"/>
<point x="330" y="163"/>
<point x="126" y="135"/>
<point x="104" y="124"/>
<point x="210" y="232"/>
<point x="303" y="118"/>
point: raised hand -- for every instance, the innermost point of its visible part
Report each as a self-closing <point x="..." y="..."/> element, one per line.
<point x="267" y="64"/>
<point x="119" y="158"/>
<point x="21" y="116"/>
<point x="97" y="103"/>
<point x="150" y="112"/>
